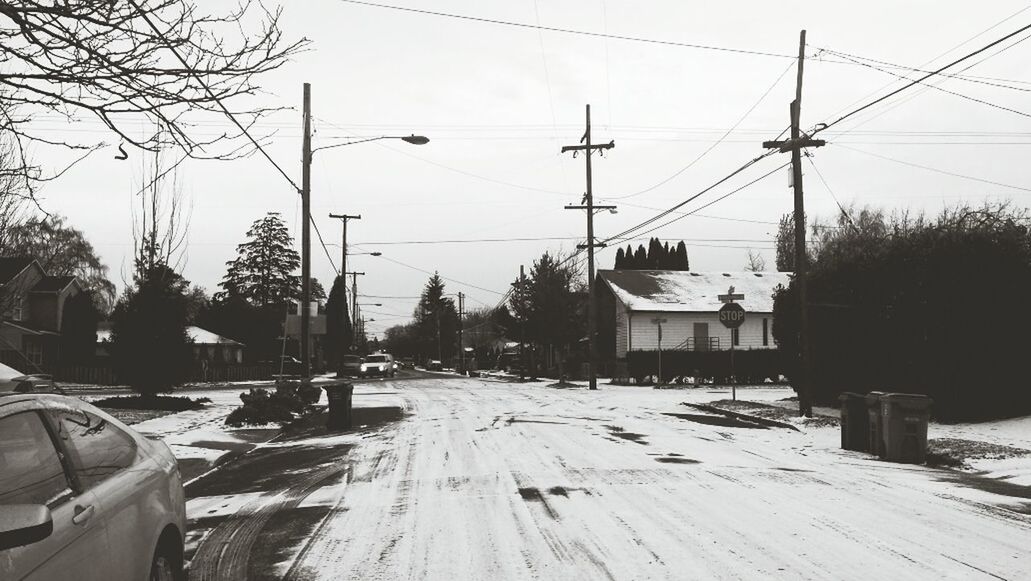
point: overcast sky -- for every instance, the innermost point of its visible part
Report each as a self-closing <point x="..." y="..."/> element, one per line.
<point x="498" y="102"/>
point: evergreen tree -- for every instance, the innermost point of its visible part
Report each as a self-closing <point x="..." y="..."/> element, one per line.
<point x="682" y="261"/>
<point x="668" y="261"/>
<point x="436" y="321"/>
<point x="149" y="343"/>
<point x="339" y="333"/>
<point x="640" y="258"/>
<point x="654" y="254"/>
<point x="620" y="260"/>
<point x="79" y="329"/>
<point x="262" y="274"/>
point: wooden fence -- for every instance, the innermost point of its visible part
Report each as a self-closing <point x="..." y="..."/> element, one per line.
<point x="106" y="375"/>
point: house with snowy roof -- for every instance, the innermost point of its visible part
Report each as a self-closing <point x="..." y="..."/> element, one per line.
<point x="630" y="302"/>
<point x="207" y="346"/>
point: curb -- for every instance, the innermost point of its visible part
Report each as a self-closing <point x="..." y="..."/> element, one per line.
<point x="743" y="417"/>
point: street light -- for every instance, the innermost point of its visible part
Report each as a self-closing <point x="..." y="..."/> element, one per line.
<point x="413" y="139"/>
<point x="305" y="190"/>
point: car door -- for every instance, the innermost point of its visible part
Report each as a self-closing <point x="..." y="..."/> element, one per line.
<point x="34" y="471"/>
<point x="105" y="460"/>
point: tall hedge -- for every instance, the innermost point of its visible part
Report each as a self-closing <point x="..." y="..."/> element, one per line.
<point x="939" y="307"/>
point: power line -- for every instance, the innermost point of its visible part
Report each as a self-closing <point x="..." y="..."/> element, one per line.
<point x="714" y="145"/>
<point x="568" y="31"/>
<point x="229" y="114"/>
<point x="719" y="199"/>
<point x="954" y="93"/>
<point x="438" y="274"/>
<point x="933" y="169"/>
<point x="540" y="239"/>
<point x="825" y="126"/>
<point x="665" y="213"/>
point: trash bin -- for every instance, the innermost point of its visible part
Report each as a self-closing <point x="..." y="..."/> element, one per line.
<point x="875" y="441"/>
<point x="339" y="396"/>
<point x="905" y="417"/>
<point x="855" y="420"/>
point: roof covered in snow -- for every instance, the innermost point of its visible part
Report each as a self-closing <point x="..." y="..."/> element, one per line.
<point x="198" y="335"/>
<point x="692" y="292"/>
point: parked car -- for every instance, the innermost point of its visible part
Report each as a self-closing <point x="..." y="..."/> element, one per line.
<point x="83" y="496"/>
<point x="12" y="380"/>
<point x="351" y="365"/>
<point x="408" y="363"/>
<point x="434" y="365"/>
<point x="381" y="364"/>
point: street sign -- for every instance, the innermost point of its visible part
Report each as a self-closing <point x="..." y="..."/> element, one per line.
<point x="732" y="315"/>
<point x="731" y="296"/>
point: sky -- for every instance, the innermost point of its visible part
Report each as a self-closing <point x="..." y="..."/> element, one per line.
<point x="498" y="102"/>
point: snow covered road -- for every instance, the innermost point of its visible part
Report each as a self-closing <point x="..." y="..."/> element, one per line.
<point x="487" y="480"/>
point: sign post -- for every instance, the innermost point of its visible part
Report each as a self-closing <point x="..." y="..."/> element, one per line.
<point x="659" y="322"/>
<point x="732" y="315"/>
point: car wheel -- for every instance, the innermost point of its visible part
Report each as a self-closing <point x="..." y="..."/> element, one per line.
<point x="166" y="566"/>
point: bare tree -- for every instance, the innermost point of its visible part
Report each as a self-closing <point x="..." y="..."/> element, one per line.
<point x="159" y="60"/>
<point x="756" y="263"/>
<point x="161" y="220"/>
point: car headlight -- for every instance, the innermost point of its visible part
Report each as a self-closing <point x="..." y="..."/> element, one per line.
<point x="363" y="367"/>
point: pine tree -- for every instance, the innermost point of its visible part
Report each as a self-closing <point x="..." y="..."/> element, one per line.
<point x="263" y="272"/>
<point x="640" y="258"/>
<point x="668" y="260"/>
<point x="682" y="261"/>
<point x="654" y="254"/>
<point x="620" y="259"/>
<point x="436" y="321"/>
<point x="149" y="343"/>
<point x="338" y="322"/>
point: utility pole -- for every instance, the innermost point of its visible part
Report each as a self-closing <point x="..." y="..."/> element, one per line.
<point x="588" y="200"/>
<point x="461" y="323"/>
<point x="343" y="270"/>
<point x="354" y="306"/>
<point x="306" y="239"/>
<point x="522" y="325"/>
<point x="795" y="145"/>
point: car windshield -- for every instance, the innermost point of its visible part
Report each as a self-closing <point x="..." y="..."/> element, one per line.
<point x="352" y="359"/>
<point x="376" y="359"/>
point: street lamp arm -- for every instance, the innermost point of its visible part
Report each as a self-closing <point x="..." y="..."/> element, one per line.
<point x="413" y="139"/>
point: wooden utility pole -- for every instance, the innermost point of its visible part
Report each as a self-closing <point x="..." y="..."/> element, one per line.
<point x="795" y="145"/>
<point x="461" y="323"/>
<point x="522" y="325"/>
<point x="354" y="306"/>
<point x="588" y="204"/>
<point x="306" y="239"/>
<point x="343" y="270"/>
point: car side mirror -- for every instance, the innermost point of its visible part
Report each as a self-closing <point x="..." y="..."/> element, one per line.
<point x="24" y="524"/>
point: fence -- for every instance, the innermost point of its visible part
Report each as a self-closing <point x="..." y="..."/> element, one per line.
<point x="106" y="375"/>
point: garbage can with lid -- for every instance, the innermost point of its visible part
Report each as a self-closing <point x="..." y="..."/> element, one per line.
<point x="855" y="431"/>
<point x="875" y="441"/>
<point x="339" y="396"/>
<point x="904" y="417"/>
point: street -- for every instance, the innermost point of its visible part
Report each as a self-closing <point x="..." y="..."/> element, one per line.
<point x="455" y="478"/>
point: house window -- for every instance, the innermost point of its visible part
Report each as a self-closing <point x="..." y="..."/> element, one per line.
<point x="18" y="309"/>
<point x="766" y="332"/>
<point x="735" y="336"/>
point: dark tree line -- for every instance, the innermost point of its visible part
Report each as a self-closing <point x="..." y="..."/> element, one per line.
<point x="920" y="305"/>
<point x="658" y="256"/>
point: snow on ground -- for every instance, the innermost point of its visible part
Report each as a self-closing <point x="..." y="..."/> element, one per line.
<point x="489" y="479"/>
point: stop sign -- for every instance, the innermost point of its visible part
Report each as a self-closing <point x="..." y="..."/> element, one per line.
<point x="732" y="315"/>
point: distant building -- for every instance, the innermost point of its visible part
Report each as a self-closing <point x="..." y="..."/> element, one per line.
<point x="207" y="346"/>
<point x="32" y="304"/>
<point x="629" y="301"/>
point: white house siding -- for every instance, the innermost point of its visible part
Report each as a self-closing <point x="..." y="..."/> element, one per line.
<point x="679" y="327"/>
